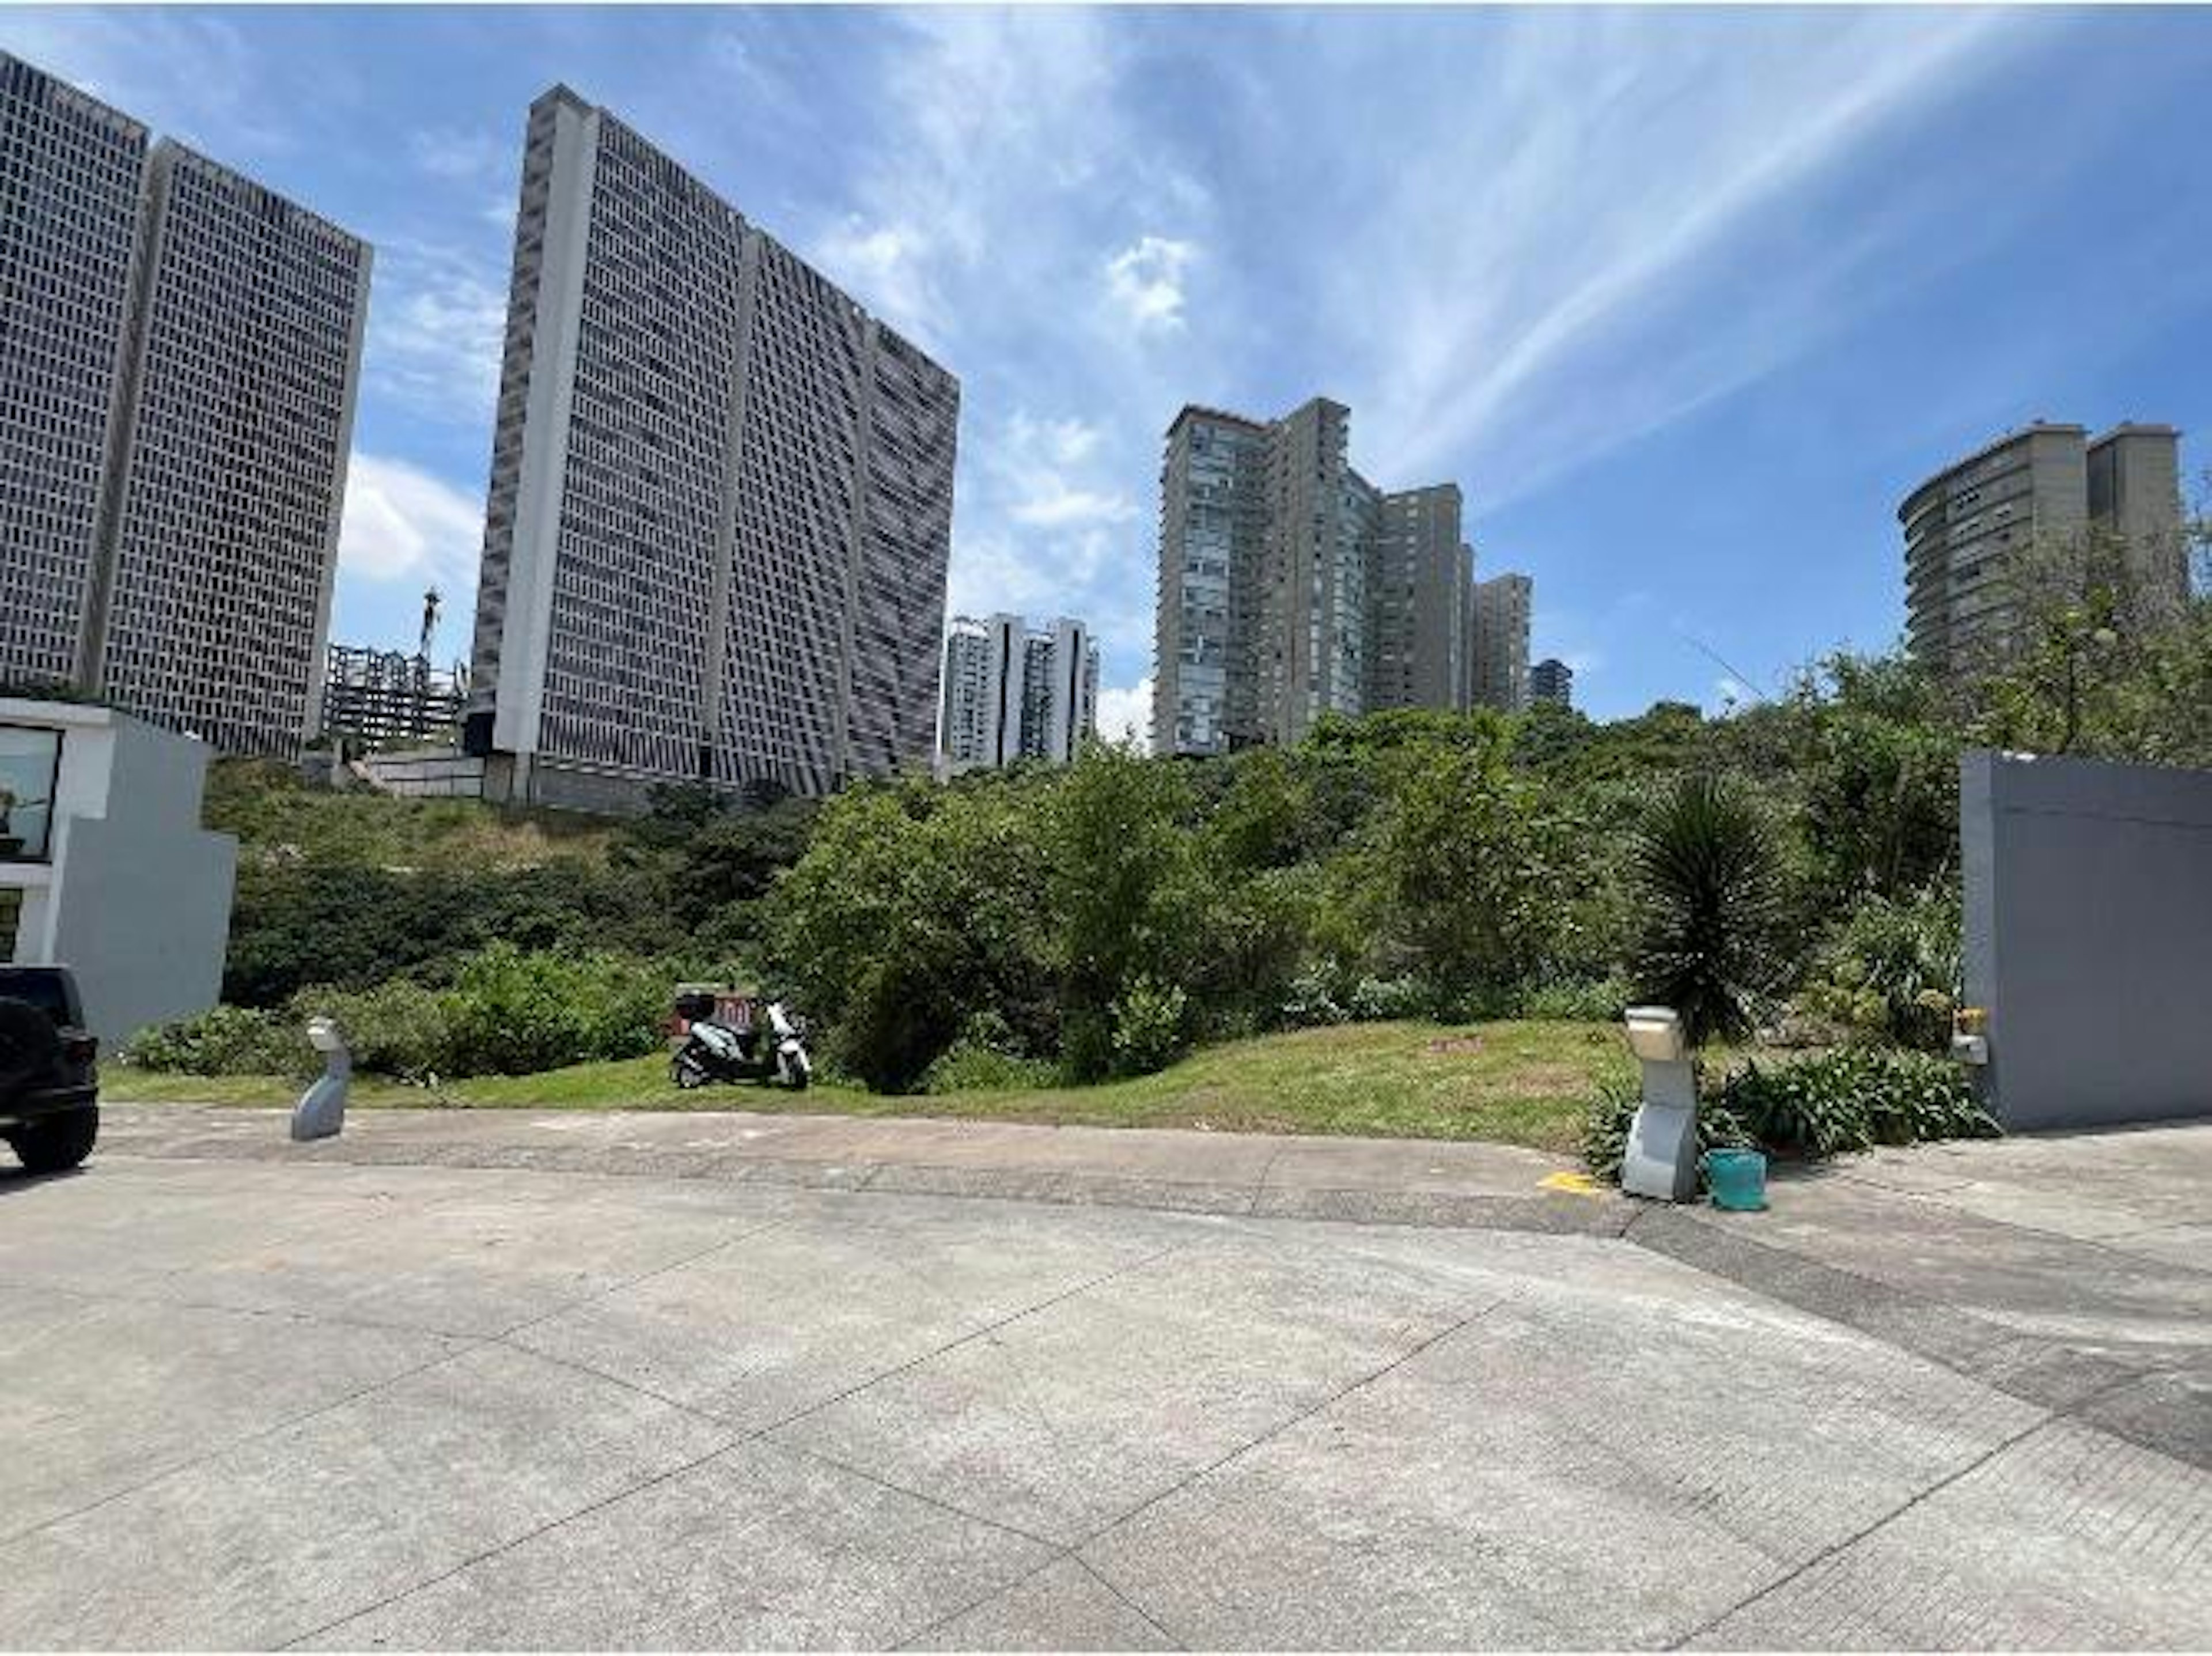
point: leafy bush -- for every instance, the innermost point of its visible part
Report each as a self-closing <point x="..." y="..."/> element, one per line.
<point x="1148" y="1026"/>
<point x="511" y="1014"/>
<point x="1709" y="879"/>
<point x="397" y="1028"/>
<point x="224" y="1041"/>
<point x="1312" y="1000"/>
<point x="1854" y="1099"/>
<point x="1383" y="1000"/>
<point x="1894" y="970"/>
<point x="1579" y="1000"/>
<point x="968" y="1066"/>
<point x="1838" y="1102"/>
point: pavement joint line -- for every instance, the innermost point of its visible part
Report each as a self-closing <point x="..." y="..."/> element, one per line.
<point x="807" y="1452"/>
<point x="1075" y="1550"/>
<point x="1295" y="1419"/>
<point x="371" y="1325"/>
<point x="465" y="1344"/>
<point x="1136" y="1609"/>
<point x="972" y="1336"/>
<point x="508" y="1545"/>
<point x="742" y="1440"/>
<point x="1850" y="1541"/>
<point x="233" y="1444"/>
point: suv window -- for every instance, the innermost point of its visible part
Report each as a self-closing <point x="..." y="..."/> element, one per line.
<point x="46" y="990"/>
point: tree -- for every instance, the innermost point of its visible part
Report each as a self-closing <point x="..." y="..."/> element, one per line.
<point x="1123" y="891"/>
<point x="1463" y="860"/>
<point x="1709" y="883"/>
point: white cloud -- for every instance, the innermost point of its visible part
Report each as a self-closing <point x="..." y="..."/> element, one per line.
<point x="446" y="153"/>
<point x="436" y="318"/>
<point x="1146" y="281"/>
<point x="886" y="266"/>
<point x="402" y="524"/>
<point x="1127" y="715"/>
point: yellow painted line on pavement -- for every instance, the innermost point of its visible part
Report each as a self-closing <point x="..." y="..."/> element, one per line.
<point x="1572" y="1184"/>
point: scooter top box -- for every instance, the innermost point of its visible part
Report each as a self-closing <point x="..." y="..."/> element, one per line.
<point x="723" y="1003"/>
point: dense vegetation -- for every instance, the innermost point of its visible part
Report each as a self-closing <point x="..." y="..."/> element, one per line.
<point x="1789" y="870"/>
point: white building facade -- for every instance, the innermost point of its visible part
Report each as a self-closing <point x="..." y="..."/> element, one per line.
<point x="720" y="512"/>
<point x="104" y="867"/>
<point x="176" y="411"/>
<point x="1013" y="692"/>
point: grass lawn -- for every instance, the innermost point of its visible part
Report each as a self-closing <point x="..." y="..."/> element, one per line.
<point x="1513" y="1083"/>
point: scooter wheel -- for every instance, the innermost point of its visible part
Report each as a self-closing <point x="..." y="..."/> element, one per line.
<point x="685" y="1074"/>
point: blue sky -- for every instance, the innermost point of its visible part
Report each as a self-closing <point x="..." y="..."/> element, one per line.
<point x="1684" y="300"/>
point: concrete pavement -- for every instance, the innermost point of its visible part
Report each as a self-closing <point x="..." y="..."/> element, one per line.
<point x="435" y="1384"/>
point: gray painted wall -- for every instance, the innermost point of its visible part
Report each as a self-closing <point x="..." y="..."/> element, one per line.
<point x="2089" y="936"/>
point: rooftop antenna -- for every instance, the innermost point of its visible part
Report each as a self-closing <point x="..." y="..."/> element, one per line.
<point x="1718" y="661"/>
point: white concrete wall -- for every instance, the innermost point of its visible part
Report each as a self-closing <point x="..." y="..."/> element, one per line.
<point x="137" y="897"/>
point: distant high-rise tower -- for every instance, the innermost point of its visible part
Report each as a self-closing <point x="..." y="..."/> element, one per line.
<point x="1501" y="641"/>
<point x="182" y="359"/>
<point x="1966" y="528"/>
<point x="1290" y="587"/>
<point x="720" y="503"/>
<point x="1011" y="693"/>
<point x="1421" y="589"/>
<point x="1552" y="680"/>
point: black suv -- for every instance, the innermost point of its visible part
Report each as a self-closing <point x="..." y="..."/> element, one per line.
<point x="49" y="1086"/>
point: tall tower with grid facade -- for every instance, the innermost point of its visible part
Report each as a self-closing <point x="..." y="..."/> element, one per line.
<point x="176" y="409"/>
<point x="71" y="175"/>
<point x="720" y="504"/>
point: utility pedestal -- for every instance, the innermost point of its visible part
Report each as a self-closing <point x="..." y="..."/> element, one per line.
<point x="1661" y="1161"/>
<point x="321" y="1111"/>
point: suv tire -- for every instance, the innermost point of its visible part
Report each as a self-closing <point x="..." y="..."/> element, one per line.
<point x="55" y="1146"/>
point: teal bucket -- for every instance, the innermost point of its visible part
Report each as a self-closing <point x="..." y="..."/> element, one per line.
<point x="1737" y="1179"/>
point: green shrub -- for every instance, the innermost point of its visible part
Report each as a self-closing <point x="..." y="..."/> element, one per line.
<point x="1708" y="881"/>
<point x="397" y="1028"/>
<point x="225" y="1041"/>
<point x="1853" y="1098"/>
<point x="512" y="1014"/>
<point x="1893" y="971"/>
<point x="1148" y="1026"/>
<point x="1311" y="1000"/>
<point x="1831" y="1104"/>
<point x="969" y="1067"/>
<point x="1385" y="1000"/>
<point x="1581" y="1000"/>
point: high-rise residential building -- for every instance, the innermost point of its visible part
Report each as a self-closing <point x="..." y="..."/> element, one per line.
<point x="71" y="172"/>
<point x="1552" y="680"/>
<point x="1213" y="516"/>
<point x="1421" y="583"/>
<point x="1290" y="586"/>
<point x="1499" y="633"/>
<point x="1013" y="692"/>
<point x="2049" y="483"/>
<point x="721" y="502"/>
<point x="176" y="408"/>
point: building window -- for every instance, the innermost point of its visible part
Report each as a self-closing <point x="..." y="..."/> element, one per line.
<point x="30" y="760"/>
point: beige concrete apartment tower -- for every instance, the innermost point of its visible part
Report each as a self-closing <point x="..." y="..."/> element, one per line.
<point x="1966" y="528"/>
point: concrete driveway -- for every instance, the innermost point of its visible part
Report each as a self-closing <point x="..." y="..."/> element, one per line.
<point x="262" y="1395"/>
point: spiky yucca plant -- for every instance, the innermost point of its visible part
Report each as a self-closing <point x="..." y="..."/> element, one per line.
<point x="1709" y="888"/>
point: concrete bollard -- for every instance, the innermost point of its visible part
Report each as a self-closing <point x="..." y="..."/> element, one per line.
<point x="321" y="1111"/>
<point x="1660" y="1160"/>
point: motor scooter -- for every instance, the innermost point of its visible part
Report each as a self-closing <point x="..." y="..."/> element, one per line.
<point x="713" y="1050"/>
